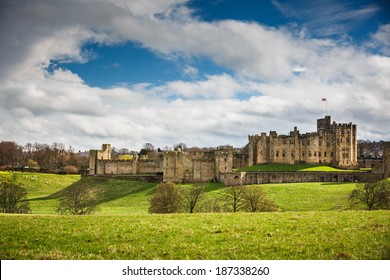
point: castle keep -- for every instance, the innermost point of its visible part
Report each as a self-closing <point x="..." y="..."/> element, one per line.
<point x="332" y="144"/>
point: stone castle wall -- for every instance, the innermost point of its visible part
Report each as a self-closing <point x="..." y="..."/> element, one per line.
<point x="386" y="159"/>
<point x="249" y="178"/>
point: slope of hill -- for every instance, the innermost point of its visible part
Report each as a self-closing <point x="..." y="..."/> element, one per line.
<point x="122" y="196"/>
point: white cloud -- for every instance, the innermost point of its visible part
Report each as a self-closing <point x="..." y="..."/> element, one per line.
<point x="381" y="39"/>
<point x="191" y="71"/>
<point x="327" y="17"/>
<point x="36" y="105"/>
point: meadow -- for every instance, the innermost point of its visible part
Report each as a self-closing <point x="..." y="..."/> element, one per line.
<point x="314" y="222"/>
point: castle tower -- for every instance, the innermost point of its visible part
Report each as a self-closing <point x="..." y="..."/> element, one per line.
<point x="386" y="159"/>
<point x="95" y="155"/>
<point x="323" y="124"/>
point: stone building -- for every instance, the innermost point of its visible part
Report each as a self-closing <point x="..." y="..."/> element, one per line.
<point x="332" y="144"/>
<point x="175" y="166"/>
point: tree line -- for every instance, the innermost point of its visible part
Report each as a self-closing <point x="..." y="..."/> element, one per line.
<point x="369" y="149"/>
<point x="55" y="158"/>
<point x="170" y="198"/>
<point x="83" y="199"/>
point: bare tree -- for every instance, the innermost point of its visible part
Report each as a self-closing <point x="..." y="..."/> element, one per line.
<point x="373" y="195"/>
<point x="12" y="197"/>
<point x="233" y="198"/>
<point x="256" y="200"/>
<point x="78" y="199"/>
<point x="192" y="196"/>
<point x="166" y="199"/>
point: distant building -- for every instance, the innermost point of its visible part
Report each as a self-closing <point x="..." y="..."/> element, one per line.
<point x="333" y="144"/>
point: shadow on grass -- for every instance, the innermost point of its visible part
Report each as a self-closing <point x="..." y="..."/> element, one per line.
<point x="108" y="189"/>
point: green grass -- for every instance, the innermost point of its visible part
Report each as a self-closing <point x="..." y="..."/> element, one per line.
<point x="122" y="196"/>
<point x="122" y="229"/>
<point x="310" y="196"/>
<point x="39" y="186"/>
<point x="293" y="235"/>
<point x="292" y="168"/>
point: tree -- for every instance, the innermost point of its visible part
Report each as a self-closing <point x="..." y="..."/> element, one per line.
<point x="70" y="169"/>
<point x="146" y="148"/>
<point x="78" y="199"/>
<point x="12" y="197"/>
<point x="11" y="155"/>
<point x="256" y="200"/>
<point x="166" y="199"/>
<point x="373" y="195"/>
<point x="233" y="197"/>
<point x="192" y="196"/>
<point x="32" y="164"/>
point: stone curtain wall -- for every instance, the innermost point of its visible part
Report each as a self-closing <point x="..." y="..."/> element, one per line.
<point x="248" y="178"/>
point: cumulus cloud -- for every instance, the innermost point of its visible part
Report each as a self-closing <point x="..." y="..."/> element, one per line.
<point x="263" y="93"/>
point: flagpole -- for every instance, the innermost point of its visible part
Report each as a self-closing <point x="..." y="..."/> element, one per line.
<point x="326" y="105"/>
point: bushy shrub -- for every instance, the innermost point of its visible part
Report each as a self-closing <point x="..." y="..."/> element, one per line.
<point x="12" y="198"/>
<point x="166" y="199"/>
<point x="78" y="199"/>
<point x="373" y="195"/>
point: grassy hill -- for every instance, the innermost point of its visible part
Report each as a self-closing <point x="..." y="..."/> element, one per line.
<point x="122" y="196"/>
<point x="122" y="229"/>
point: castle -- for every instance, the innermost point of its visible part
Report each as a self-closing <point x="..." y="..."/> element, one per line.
<point x="332" y="144"/>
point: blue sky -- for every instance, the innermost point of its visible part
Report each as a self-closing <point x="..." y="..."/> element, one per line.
<point x="131" y="63"/>
<point x="206" y="73"/>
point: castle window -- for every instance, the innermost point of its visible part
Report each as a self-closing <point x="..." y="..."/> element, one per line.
<point x="277" y="153"/>
<point x="331" y="154"/>
<point x="319" y="154"/>
<point x="324" y="154"/>
<point x="303" y="154"/>
<point x="309" y="153"/>
<point x="315" y="153"/>
<point x="284" y="142"/>
<point x="308" y="142"/>
<point x="292" y="154"/>
<point x="284" y="154"/>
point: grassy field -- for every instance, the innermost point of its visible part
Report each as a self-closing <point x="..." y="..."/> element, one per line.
<point x="288" y="235"/>
<point x="121" y="196"/>
<point x="306" y="227"/>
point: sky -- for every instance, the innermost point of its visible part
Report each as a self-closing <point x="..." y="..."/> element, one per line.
<point x="203" y="73"/>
